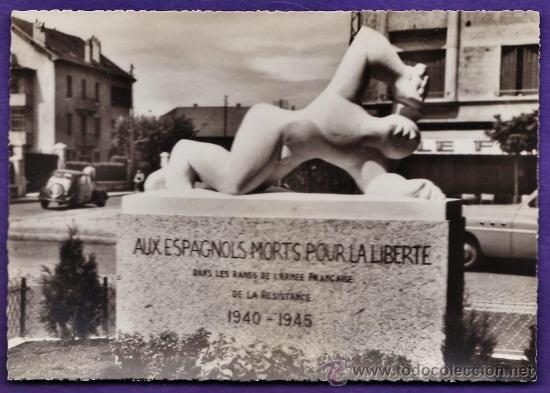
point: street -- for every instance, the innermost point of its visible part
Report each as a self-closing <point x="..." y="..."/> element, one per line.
<point x="30" y="219"/>
<point x="505" y="290"/>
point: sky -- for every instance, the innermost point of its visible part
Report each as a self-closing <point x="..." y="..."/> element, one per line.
<point x="182" y="58"/>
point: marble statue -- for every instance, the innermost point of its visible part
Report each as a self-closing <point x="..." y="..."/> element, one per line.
<point x="271" y="141"/>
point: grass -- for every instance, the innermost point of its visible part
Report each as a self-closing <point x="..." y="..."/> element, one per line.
<point x="44" y="360"/>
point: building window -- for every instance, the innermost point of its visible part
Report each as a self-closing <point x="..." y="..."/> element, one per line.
<point x="434" y="59"/>
<point x="69" y="123"/>
<point x="97" y="156"/>
<point x="97" y="92"/>
<point x="519" y="71"/>
<point x="69" y="86"/>
<point x="121" y="97"/>
<point x="97" y="128"/>
<point x="83" y="126"/>
<point x="18" y="119"/>
<point x="15" y="85"/>
<point x="83" y="88"/>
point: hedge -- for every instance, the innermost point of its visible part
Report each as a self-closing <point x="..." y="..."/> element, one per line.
<point x="104" y="171"/>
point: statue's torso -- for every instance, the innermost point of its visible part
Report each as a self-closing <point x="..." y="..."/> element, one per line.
<point x="322" y="130"/>
<point x="325" y="129"/>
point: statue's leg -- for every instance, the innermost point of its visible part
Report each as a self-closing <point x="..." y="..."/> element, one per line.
<point x="394" y="185"/>
<point x="155" y="181"/>
<point x="368" y="167"/>
<point x="256" y="151"/>
<point x="375" y="179"/>
<point x="252" y="162"/>
<point x="372" y="55"/>
<point x="190" y="160"/>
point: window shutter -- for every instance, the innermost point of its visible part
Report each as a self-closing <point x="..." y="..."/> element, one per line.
<point x="69" y="86"/>
<point x="509" y="67"/>
<point x="435" y="63"/>
<point x="530" y="77"/>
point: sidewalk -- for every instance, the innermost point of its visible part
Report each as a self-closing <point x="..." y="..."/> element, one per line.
<point x="33" y="196"/>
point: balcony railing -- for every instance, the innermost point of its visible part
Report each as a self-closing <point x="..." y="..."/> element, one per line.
<point x="86" y="104"/>
<point x="517" y="92"/>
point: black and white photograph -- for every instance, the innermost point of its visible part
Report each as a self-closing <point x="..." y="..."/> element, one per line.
<point x="328" y="197"/>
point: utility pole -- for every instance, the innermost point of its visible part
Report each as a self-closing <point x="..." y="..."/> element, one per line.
<point x="355" y="24"/>
<point x="132" y="146"/>
<point x="225" y="115"/>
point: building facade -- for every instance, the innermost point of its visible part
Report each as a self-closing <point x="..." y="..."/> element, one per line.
<point x="480" y="64"/>
<point x="64" y="92"/>
<point x="212" y="122"/>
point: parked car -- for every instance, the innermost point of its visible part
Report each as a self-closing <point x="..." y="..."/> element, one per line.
<point x="73" y="188"/>
<point x="503" y="231"/>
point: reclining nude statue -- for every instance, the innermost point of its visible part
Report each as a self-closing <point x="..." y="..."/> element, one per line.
<point x="271" y="141"/>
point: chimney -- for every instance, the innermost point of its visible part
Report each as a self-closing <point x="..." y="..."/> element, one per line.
<point x="92" y="50"/>
<point x="238" y="105"/>
<point x="195" y="105"/>
<point x="39" y="32"/>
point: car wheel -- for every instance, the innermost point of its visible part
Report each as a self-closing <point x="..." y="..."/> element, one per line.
<point x="472" y="253"/>
<point x="101" y="198"/>
<point x="45" y="204"/>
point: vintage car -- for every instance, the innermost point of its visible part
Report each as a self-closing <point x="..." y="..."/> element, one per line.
<point x="502" y="231"/>
<point x="73" y="188"/>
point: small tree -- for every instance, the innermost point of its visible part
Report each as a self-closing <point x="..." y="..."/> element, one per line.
<point x="515" y="136"/>
<point x="163" y="134"/>
<point x="71" y="307"/>
<point x="150" y="135"/>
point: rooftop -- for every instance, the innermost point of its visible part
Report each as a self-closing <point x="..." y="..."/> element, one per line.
<point x="67" y="47"/>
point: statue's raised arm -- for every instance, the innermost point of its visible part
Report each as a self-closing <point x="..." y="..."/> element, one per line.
<point x="271" y="141"/>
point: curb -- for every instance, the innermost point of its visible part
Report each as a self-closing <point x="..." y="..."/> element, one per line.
<point x="508" y="308"/>
<point x="34" y="199"/>
<point x="108" y="239"/>
<point x="16" y="341"/>
<point x="16" y="201"/>
<point x="508" y="354"/>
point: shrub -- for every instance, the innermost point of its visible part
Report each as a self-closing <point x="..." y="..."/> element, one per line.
<point x="77" y="165"/>
<point x="473" y="344"/>
<point x="224" y="358"/>
<point x="165" y="356"/>
<point x="199" y="356"/>
<point x="71" y="307"/>
<point x="104" y="171"/>
<point x="119" y="159"/>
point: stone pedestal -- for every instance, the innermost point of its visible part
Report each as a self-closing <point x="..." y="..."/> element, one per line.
<point x="336" y="275"/>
